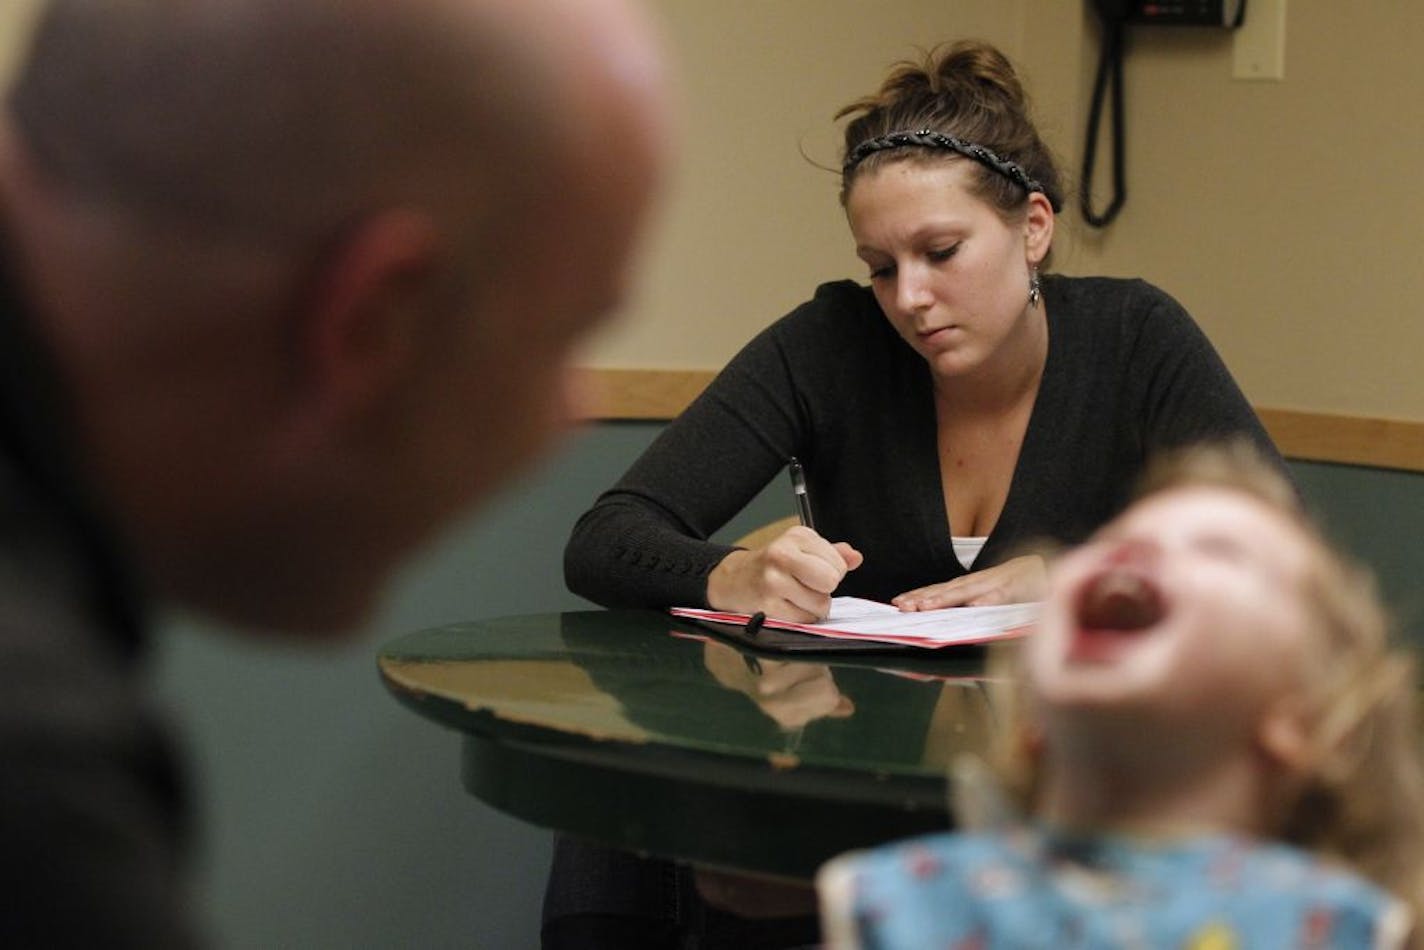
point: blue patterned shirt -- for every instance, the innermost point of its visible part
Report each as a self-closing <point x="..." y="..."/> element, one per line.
<point x="1027" y="888"/>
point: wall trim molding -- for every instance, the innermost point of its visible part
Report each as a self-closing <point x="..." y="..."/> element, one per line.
<point x="625" y="394"/>
<point x="660" y="394"/>
<point x="1352" y="440"/>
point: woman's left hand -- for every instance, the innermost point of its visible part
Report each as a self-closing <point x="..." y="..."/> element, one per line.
<point x="1015" y="581"/>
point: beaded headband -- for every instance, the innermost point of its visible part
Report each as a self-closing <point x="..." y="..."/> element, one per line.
<point x="926" y="138"/>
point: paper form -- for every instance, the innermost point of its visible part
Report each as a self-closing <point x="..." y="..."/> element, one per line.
<point x="856" y="618"/>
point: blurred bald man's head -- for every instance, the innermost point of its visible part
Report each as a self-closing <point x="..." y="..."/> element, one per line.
<point x="312" y="269"/>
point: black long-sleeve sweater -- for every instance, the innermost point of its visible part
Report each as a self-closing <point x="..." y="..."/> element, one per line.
<point x="1128" y="373"/>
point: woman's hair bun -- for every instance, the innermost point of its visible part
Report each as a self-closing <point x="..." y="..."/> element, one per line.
<point x="972" y="68"/>
<point x="967" y="90"/>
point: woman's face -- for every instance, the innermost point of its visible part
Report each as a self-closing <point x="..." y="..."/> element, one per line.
<point x="949" y="273"/>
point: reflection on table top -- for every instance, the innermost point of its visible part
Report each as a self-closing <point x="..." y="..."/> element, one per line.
<point x="646" y="732"/>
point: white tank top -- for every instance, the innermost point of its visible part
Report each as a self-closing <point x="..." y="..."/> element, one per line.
<point x="967" y="549"/>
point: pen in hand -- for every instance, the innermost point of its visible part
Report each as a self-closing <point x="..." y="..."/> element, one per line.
<point x="798" y="488"/>
<point x="842" y="557"/>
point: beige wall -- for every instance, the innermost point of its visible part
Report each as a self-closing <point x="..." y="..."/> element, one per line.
<point x="1285" y="215"/>
<point x="1288" y="215"/>
<point x="16" y="17"/>
<point x="753" y="226"/>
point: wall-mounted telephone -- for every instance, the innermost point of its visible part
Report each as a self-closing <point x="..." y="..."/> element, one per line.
<point x="1225" y="13"/>
<point x="1114" y="11"/>
<point x="1115" y="16"/>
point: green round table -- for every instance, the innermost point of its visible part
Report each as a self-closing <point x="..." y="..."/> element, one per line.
<point x="656" y="735"/>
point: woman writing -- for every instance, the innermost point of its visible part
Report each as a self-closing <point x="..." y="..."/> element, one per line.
<point x="963" y="404"/>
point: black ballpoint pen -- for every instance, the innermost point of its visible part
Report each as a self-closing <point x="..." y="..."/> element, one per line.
<point x="798" y="488"/>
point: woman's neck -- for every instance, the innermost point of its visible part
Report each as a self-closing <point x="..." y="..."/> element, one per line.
<point x="1008" y="378"/>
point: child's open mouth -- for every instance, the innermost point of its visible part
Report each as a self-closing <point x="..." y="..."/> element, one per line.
<point x="1114" y="608"/>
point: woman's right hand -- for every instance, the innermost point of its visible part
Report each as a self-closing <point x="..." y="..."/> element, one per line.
<point x="790" y="579"/>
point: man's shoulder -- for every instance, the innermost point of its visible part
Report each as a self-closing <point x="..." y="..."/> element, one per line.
<point x="64" y="673"/>
<point x="93" y="810"/>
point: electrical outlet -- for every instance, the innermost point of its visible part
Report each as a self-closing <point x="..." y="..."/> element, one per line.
<point x="1260" y="43"/>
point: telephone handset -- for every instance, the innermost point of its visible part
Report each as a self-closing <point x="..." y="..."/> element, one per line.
<point x="1115" y="15"/>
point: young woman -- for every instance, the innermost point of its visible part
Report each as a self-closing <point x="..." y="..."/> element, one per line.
<point x="962" y="406"/>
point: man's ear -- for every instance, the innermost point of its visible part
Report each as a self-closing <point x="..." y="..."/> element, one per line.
<point x="363" y="315"/>
<point x="1038" y="228"/>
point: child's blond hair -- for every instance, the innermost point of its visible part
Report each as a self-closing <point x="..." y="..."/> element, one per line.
<point x="1361" y="799"/>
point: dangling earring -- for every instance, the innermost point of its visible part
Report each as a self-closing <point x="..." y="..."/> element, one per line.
<point x="1035" y="287"/>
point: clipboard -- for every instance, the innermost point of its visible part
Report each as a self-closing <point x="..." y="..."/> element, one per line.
<point x="858" y="625"/>
<point x="756" y="634"/>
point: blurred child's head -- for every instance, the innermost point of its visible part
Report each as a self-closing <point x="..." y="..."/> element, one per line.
<point x="1188" y="617"/>
<point x="1212" y="619"/>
